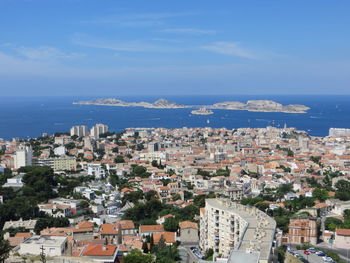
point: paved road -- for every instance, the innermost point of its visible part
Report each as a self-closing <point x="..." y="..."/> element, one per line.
<point x="312" y="258"/>
<point x="344" y="254"/>
<point x="190" y="257"/>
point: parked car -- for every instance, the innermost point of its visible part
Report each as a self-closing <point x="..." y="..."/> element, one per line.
<point x="320" y="253"/>
<point x="311" y="250"/>
<point x="327" y="259"/>
<point x="298" y="256"/>
<point x="306" y="252"/>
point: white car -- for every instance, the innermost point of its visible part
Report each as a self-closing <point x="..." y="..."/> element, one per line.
<point x="327" y="259"/>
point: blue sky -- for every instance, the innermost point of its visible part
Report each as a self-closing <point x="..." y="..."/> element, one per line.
<point x="111" y="47"/>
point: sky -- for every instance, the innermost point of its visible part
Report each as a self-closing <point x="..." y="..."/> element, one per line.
<point x="182" y="47"/>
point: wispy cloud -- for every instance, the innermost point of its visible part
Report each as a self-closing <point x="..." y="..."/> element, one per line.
<point x="231" y="49"/>
<point x="124" y="46"/>
<point x="138" y="20"/>
<point x="191" y="31"/>
<point x="45" y="53"/>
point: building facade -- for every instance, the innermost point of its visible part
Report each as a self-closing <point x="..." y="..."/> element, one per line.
<point x="98" y="129"/>
<point x="23" y="156"/>
<point x="342" y="238"/>
<point x="79" y="131"/>
<point x="302" y="231"/>
<point x="58" y="164"/>
<point x="227" y="226"/>
<point x="52" y="245"/>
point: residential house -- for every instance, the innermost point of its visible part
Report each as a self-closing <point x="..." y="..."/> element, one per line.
<point x="169" y="237"/>
<point x="302" y="231"/>
<point x="188" y="232"/>
<point x="147" y="230"/>
<point x="52" y="245"/>
<point x="101" y="253"/>
<point x="342" y="238"/>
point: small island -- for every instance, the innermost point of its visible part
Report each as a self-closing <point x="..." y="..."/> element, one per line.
<point x="159" y="104"/>
<point x="251" y="105"/>
<point x="202" y="111"/>
<point x="260" y="106"/>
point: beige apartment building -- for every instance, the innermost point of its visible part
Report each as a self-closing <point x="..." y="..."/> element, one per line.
<point x="229" y="227"/>
<point x="302" y="231"/>
<point x="58" y="164"/>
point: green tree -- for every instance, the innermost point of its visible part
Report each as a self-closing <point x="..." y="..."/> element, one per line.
<point x="282" y="223"/>
<point x="331" y="223"/>
<point x="343" y="190"/>
<point x="115" y="150"/>
<point x="154" y="163"/>
<point x="262" y="206"/>
<point x="70" y="146"/>
<point x="43" y="223"/>
<point x="136" y="256"/>
<point x="167" y="254"/>
<point x="151" y="194"/>
<point x="119" y="159"/>
<point x="171" y="224"/>
<point x="145" y="247"/>
<point x="151" y="244"/>
<point x="4" y="250"/>
<point x="315" y="159"/>
<point x="209" y="254"/>
<point x="161" y="243"/>
<point x="251" y="200"/>
<point x="320" y="194"/>
<point x="346" y="213"/>
<point x="188" y="195"/>
<point x="199" y="200"/>
<point x="176" y="197"/>
<point x="133" y="197"/>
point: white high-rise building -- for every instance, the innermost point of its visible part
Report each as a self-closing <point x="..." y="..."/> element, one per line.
<point x="339" y="132"/>
<point x="235" y="231"/>
<point x="79" y="131"/>
<point x="98" y="129"/>
<point x="23" y="156"/>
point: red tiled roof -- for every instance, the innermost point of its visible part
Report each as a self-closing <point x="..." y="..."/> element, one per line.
<point x="85" y="224"/>
<point x="168" y="236"/>
<point x="343" y="232"/>
<point x="99" y="250"/>
<point x="108" y="229"/>
<point x="188" y="224"/>
<point x="24" y="234"/>
<point x="151" y="228"/>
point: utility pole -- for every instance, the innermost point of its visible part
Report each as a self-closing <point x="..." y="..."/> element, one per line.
<point x="42" y="255"/>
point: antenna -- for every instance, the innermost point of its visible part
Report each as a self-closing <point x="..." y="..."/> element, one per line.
<point x="42" y="254"/>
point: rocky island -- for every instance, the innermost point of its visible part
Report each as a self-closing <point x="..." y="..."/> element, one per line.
<point x="159" y="104"/>
<point x="261" y="106"/>
<point x="251" y="105"/>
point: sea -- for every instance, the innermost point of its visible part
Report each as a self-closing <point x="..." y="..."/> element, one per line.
<point x="30" y="117"/>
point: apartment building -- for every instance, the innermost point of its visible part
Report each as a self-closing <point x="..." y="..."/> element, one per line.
<point x="80" y="131"/>
<point x="302" y="231"/>
<point x="23" y="156"/>
<point x="58" y="164"/>
<point x="229" y="227"/>
<point x="98" y="129"/>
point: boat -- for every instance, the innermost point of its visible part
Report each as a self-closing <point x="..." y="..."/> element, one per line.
<point x="202" y="111"/>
